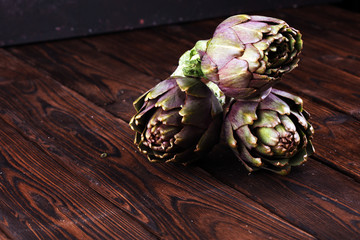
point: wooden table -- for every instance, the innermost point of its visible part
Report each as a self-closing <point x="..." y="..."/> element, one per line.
<point x="64" y="103"/>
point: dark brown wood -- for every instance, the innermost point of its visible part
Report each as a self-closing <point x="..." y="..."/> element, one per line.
<point x="332" y="131"/>
<point x="318" y="199"/>
<point x="41" y="200"/>
<point x="4" y="236"/>
<point x="171" y="201"/>
<point x="68" y="106"/>
<point x="107" y="81"/>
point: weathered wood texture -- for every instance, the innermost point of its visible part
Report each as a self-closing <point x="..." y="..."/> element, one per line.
<point x="41" y="200"/>
<point x="172" y="202"/>
<point x="64" y="103"/>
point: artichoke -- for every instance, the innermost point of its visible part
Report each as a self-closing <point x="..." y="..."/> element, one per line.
<point x="179" y="120"/>
<point x="271" y="133"/>
<point x="246" y="56"/>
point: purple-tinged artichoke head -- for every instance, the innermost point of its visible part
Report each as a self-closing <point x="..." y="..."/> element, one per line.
<point x="179" y="120"/>
<point x="246" y="55"/>
<point x="273" y="133"/>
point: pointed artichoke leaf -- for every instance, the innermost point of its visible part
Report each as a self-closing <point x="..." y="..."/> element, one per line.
<point x="276" y="28"/>
<point x="209" y="68"/>
<point x="306" y="114"/>
<point x="278" y="162"/>
<point x="171" y="117"/>
<point x="274" y="103"/>
<point x="252" y="56"/>
<point x="257" y="83"/>
<point x="268" y="136"/>
<point x="161" y="88"/>
<point x="137" y="138"/>
<point x="247" y="157"/>
<point x="251" y="32"/>
<point x="216" y="107"/>
<point x="310" y="131"/>
<point x="167" y="131"/>
<point x="287" y="123"/>
<point x="236" y="153"/>
<point x="196" y="112"/>
<point x="229" y="134"/>
<point x="198" y="90"/>
<point x="264" y="149"/>
<point x="154" y="118"/>
<point x="139" y="102"/>
<point x="140" y="118"/>
<point x="186" y="156"/>
<point x="246" y="136"/>
<point x="272" y="20"/>
<point x="185" y="83"/>
<point x="299" y="42"/>
<point x="231" y="21"/>
<point x="224" y="46"/>
<point x="135" y="125"/>
<point x="210" y="136"/>
<point x="154" y="158"/>
<point x="310" y="148"/>
<point x="235" y="74"/>
<point x="188" y="136"/>
<point x="242" y="113"/>
<point x="238" y="93"/>
<point x="300" y="119"/>
<point x="171" y="99"/>
<point x="295" y="99"/>
<point x="291" y="42"/>
<point x="299" y="158"/>
<point x="266" y="118"/>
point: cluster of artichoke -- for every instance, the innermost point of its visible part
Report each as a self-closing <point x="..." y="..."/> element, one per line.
<point x="222" y="89"/>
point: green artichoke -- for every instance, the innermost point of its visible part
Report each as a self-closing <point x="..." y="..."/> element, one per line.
<point x="246" y="56"/>
<point x="179" y="120"/>
<point x="271" y="133"/>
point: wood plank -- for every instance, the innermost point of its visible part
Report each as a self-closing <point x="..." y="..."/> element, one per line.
<point x="323" y="86"/>
<point x="172" y="201"/>
<point x="39" y="199"/>
<point x="108" y="85"/>
<point x="3" y="236"/>
<point x="320" y="200"/>
<point x="149" y="52"/>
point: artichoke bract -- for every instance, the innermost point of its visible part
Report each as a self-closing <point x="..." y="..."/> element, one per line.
<point x="271" y="133"/>
<point x="246" y="55"/>
<point x="179" y="120"/>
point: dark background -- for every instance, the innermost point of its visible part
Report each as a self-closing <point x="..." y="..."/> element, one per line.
<point x="25" y="21"/>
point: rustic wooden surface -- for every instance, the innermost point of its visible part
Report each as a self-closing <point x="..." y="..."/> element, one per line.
<point x="64" y="103"/>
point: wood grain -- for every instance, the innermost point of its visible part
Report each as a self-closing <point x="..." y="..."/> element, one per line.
<point x="40" y="200"/>
<point x="214" y="199"/>
<point x="4" y="236"/>
<point x="171" y="201"/>
<point x="108" y="82"/>
<point x="319" y="200"/>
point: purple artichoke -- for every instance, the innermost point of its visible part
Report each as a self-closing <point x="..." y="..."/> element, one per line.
<point x="271" y="133"/>
<point x="179" y="120"/>
<point x="246" y="56"/>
